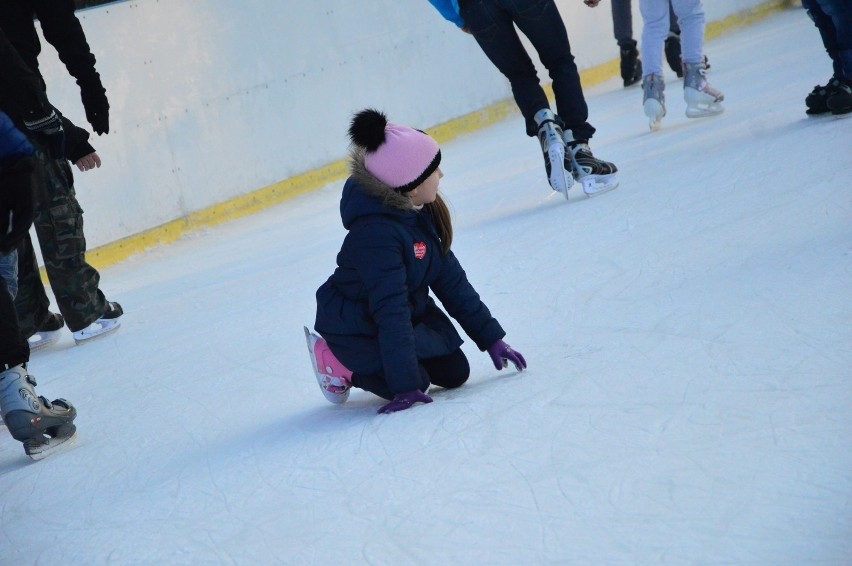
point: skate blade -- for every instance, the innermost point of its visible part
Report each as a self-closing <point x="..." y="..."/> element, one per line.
<point x="597" y="185"/>
<point x="704" y="111"/>
<point x="560" y="180"/>
<point x="41" y="340"/>
<point x="88" y="334"/>
<point x="52" y="446"/>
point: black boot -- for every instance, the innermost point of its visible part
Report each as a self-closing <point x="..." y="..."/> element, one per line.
<point x="631" y="65"/>
<point x="673" y="57"/>
<point x="839" y="101"/>
<point x="817" y="100"/>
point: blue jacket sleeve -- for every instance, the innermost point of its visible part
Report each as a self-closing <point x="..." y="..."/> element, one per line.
<point x="463" y="304"/>
<point x="450" y="10"/>
<point x="12" y="142"/>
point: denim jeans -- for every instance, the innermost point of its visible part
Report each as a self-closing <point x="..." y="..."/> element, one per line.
<point x="9" y="272"/>
<point x="656" y="22"/>
<point x="833" y="19"/>
<point x="492" y="23"/>
<point x="14" y="349"/>
<point x="622" y="21"/>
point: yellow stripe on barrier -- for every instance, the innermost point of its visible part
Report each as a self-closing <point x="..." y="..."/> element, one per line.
<point x="261" y="199"/>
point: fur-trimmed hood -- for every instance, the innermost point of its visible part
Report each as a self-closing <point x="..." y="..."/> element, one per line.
<point x="364" y="194"/>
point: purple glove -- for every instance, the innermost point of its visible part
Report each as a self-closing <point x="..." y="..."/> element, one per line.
<point x="403" y="401"/>
<point x="501" y="354"/>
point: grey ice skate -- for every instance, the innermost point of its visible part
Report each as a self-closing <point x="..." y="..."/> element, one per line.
<point x="553" y="148"/>
<point x="654" y="100"/>
<point x="701" y="98"/>
<point x="41" y="425"/>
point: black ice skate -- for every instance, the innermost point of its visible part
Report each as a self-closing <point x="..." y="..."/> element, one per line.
<point x="596" y="175"/>
<point x="673" y="54"/>
<point x="631" y="65"/>
<point x="41" y="425"/>
<point x="840" y="100"/>
<point x="553" y="148"/>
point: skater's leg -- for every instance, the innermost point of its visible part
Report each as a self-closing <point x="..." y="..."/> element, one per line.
<point x="449" y="371"/>
<point x="622" y="21"/>
<point x="544" y="28"/>
<point x="673" y="25"/>
<point x="31" y="302"/>
<point x="59" y="226"/>
<point x="655" y="29"/>
<point x="690" y="14"/>
<point x="493" y="29"/>
<point x="13" y="347"/>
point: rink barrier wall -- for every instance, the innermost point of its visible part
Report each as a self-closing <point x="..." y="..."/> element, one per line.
<point x="274" y="194"/>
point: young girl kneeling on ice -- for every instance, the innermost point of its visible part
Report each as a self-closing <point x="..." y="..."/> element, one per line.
<point x="381" y="331"/>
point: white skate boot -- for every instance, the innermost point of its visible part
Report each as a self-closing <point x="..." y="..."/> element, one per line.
<point x="41" y="425"/>
<point x="654" y="100"/>
<point x="553" y="148"/>
<point x="108" y="322"/>
<point x="48" y="333"/>
<point x="701" y="99"/>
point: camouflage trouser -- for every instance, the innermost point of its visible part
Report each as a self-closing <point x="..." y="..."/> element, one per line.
<point x="59" y="227"/>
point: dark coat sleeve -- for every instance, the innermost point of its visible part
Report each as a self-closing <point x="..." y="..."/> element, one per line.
<point x="63" y="31"/>
<point x="23" y="96"/>
<point x="463" y="303"/>
<point x="76" y="141"/>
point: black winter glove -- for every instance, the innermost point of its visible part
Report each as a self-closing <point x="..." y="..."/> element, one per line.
<point x="16" y="202"/>
<point x="51" y="133"/>
<point x="97" y="108"/>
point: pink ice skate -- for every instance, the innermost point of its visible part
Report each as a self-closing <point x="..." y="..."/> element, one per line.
<point x="333" y="378"/>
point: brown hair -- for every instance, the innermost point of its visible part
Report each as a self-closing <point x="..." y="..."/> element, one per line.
<point x="440" y="213"/>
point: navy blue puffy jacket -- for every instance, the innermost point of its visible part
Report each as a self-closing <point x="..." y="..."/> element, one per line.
<point x="375" y="311"/>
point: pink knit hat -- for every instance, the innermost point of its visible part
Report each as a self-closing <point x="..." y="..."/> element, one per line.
<point x="399" y="156"/>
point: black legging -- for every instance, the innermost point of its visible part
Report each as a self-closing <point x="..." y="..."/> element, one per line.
<point x="444" y="371"/>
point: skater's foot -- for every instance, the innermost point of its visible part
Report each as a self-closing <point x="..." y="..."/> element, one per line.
<point x="334" y="379"/>
<point x="702" y="100"/>
<point x="673" y="51"/>
<point x="654" y="100"/>
<point x="631" y="65"/>
<point x="596" y="175"/>
<point x="553" y="148"/>
<point x="817" y="100"/>
<point x="41" y="425"/>
<point x="109" y="321"/>
<point x="839" y="101"/>
<point x="48" y="333"/>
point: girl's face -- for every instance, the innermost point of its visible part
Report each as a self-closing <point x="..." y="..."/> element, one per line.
<point x="427" y="191"/>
